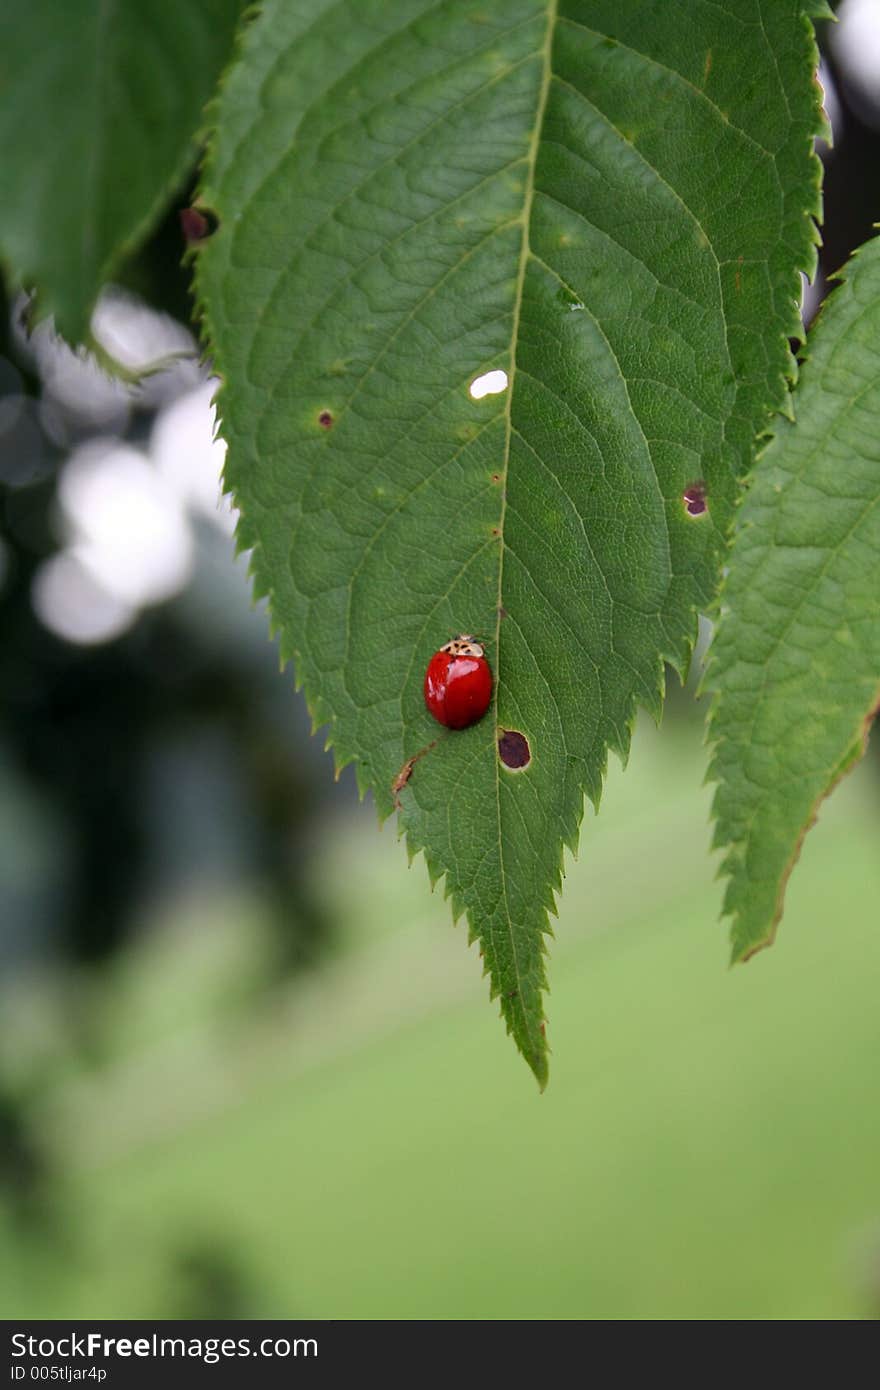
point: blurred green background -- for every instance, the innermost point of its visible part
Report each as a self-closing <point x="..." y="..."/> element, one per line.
<point x="366" y="1143"/>
<point x="247" y="1066"/>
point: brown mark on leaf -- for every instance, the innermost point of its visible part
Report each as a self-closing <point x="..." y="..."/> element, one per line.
<point x="514" y="750"/>
<point x="406" y="772"/>
<point x="496" y="477"/>
<point x="707" y="67"/>
<point x="502" y="611"/>
<point x="325" y="420"/>
<point x="694" y="499"/>
<point x="197" y="224"/>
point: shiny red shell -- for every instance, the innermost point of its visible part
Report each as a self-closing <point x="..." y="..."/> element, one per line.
<point x="458" y="687"/>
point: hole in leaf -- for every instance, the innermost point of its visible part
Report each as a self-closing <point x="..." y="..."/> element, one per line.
<point x="489" y="384"/>
<point x="197" y="224"/>
<point x="514" y="750"/>
<point x="325" y="420"/>
<point x="694" y="499"/>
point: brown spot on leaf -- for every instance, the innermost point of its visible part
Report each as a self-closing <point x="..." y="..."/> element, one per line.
<point x="325" y="420"/>
<point x="514" y="750"/>
<point x="694" y="499"/>
<point x="197" y="224"/>
<point x="406" y="772"/>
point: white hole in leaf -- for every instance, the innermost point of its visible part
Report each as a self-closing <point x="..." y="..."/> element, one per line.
<point x="489" y="384"/>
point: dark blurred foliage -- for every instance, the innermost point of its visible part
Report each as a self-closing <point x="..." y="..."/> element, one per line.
<point x="82" y="724"/>
<point x="852" y="170"/>
<point x="206" y="1281"/>
<point x="155" y="272"/>
<point x="25" y="1174"/>
<point x="172" y="756"/>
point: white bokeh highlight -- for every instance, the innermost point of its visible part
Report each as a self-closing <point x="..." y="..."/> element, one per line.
<point x="71" y="603"/>
<point x="125" y="524"/>
<point x="855" y="43"/>
<point x="189" y="456"/>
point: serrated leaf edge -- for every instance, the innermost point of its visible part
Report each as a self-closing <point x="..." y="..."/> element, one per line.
<point x="858" y="745"/>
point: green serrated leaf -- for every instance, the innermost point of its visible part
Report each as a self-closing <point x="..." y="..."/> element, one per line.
<point x="796" y="660"/>
<point x="100" y="103"/>
<point x="607" y="203"/>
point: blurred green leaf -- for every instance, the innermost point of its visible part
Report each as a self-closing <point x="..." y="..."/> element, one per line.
<point x="100" y="104"/>
<point x="796" y="661"/>
<point x="607" y="202"/>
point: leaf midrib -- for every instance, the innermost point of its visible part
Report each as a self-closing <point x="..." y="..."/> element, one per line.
<point x="525" y="256"/>
<point x="313" y="237"/>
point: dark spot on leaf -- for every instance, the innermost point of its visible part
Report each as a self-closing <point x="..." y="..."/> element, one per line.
<point x="513" y="993"/>
<point x="496" y="477"/>
<point x="496" y="531"/>
<point x="694" y="499"/>
<point x="197" y="224"/>
<point x="502" y="611"/>
<point x="513" y="749"/>
<point x="325" y="420"/>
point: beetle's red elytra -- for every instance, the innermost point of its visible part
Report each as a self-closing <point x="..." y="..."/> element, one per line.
<point x="458" y="683"/>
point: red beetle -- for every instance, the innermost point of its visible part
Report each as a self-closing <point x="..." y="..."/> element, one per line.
<point x="458" y="683"/>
